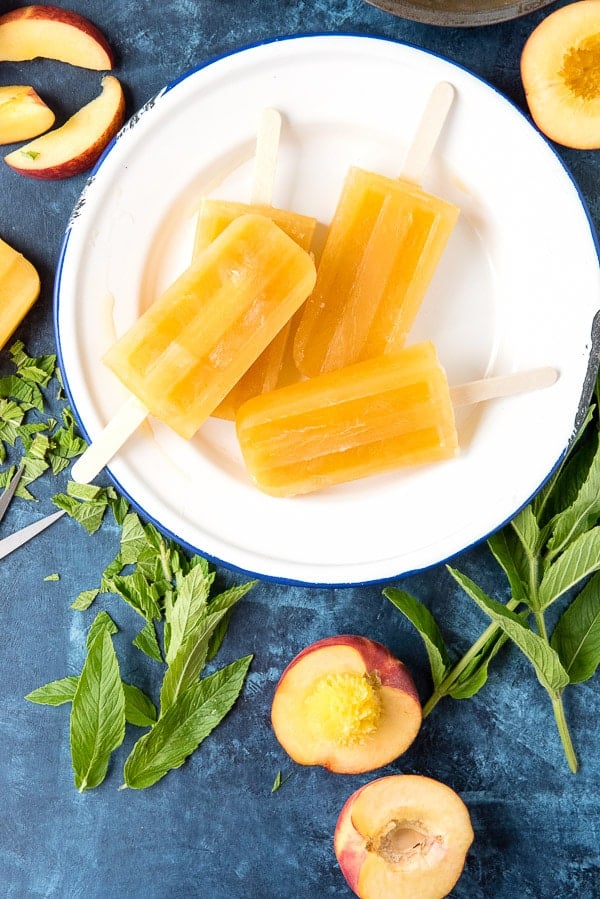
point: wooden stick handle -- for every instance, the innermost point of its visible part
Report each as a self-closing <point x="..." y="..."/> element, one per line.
<point x="109" y="441"/>
<point x="265" y="159"/>
<point x="429" y="129"/>
<point x="503" y="385"/>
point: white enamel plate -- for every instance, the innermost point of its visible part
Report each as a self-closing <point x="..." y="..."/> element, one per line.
<point x="518" y="287"/>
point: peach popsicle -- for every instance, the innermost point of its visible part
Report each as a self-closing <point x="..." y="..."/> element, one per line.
<point x="373" y="416"/>
<point x="384" y="243"/>
<point x="188" y="349"/>
<point x="214" y="215"/>
<point x="19" y="289"/>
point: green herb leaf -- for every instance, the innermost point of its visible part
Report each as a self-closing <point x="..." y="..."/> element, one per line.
<point x="186" y="667"/>
<point x="576" y="637"/>
<point x="84" y="600"/>
<point x="139" y="708"/>
<point x="279" y="781"/>
<point x="544" y="659"/>
<point x="186" y="613"/>
<point x="511" y="556"/>
<point x="102" y="620"/>
<point x="582" y="514"/>
<point x="138" y="592"/>
<point x="527" y="530"/>
<point x="97" y="714"/>
<point x="52" y="577"/>
<point x="578" y="560"/>
<point x="56" y="692"/>
<point x="475" y="674"/>
<point x="147" y="642"/>
<point x="420" y="616"/>
<point x="185" y="725"/>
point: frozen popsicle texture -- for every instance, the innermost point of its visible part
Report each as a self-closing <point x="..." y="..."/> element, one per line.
<point x="263" y="375"/>
<point x="19" y="289"/>
<point x="365" y="419"/>
<point x="191" y="346"/>
<point x="383" y="246"/>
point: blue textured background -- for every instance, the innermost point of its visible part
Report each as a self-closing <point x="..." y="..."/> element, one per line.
<point x="213" y="829"/>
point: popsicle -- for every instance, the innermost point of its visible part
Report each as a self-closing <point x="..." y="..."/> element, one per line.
<point x="19" y="289"/>
<point x="214" y="215"/>
<point x="368" y="418"/>
<point x="383" y="246"/>
<point x="188" y="349"/>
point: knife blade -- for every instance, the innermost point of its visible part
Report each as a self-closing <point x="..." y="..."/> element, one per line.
<point x="10" y="490"/>
<point x="19" y="538"/>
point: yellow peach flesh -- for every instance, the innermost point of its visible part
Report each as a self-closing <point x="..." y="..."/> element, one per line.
<point x="19" y="289"/>
<point x="45" y="31"/>
<point x="23" y="114"/>
<point x="76" y="145"/>
<point x="417" y="832"/>
<point x="329" y="710"/>
<point x="559" y="68"/>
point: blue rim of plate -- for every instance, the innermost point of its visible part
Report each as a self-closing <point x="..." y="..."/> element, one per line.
<point x="587" y="386"/>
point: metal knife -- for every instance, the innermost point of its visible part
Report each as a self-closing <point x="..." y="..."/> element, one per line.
<point x="14" y="541"/>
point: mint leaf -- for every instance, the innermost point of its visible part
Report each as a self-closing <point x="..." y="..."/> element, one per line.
<point x="576" y="637"/>
<point x="544" y="659"/>
<point x="579" y="559"/>
<point x="137" y="592"/>
<point x="420" y="616"/>
<point x="97" y="714"/>
<point x="102" y="620"/>
<point x="474" y="676"/>
<point x="147" y="642"/>
<point x="186" y="667"/>
<point x="178" y="733"/>
<point x="508" y="551"/>
<point x="279" y="781"/>
<point x="84" y="600"/>
<point x="56" y="692"/>
<point x="582" y="514"/>
<point x="185" y="614"/>
<point x="139" y="708"/>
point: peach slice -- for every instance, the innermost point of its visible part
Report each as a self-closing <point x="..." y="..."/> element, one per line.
<point x="404" y="836"/>
<point x="559" y="69"/>
<point x="23" y="114"/>
<point x="76" y="145"/>
<point x="53" y="33"/>
<point x="346" y="703"/>
<point x="19" y="289"/>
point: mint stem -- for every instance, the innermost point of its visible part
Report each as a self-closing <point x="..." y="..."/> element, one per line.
<point x="446" y="685"/>
<point x="563" y="729"/>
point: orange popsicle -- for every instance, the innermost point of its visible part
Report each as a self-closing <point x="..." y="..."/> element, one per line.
<point x="189" y="348"/>
<point x="365" y="419"/>
<point x="19" y="289"/>
<point x="383" y="246"/>
<point x="214" y="215"/>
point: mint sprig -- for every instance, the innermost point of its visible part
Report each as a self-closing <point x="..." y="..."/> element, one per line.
<point x="549" y="553"/>
<point x="184" y="627"/>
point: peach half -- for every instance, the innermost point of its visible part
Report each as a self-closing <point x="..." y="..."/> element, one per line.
<point x="405" y="836"/>
<point x="346" y="703"/>
<point x="76" y="145"/>
<point x="560" y="71"/>
<point x="23" y="114"/>
<point x="53" y="33"/>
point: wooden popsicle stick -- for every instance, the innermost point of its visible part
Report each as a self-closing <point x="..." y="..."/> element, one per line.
<point x="429" y="129"/>
<point x="132" y="413"/>
<point x="265" y="157"/>
<point x="503" y="385"/>
<point x="122" y="425"/>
